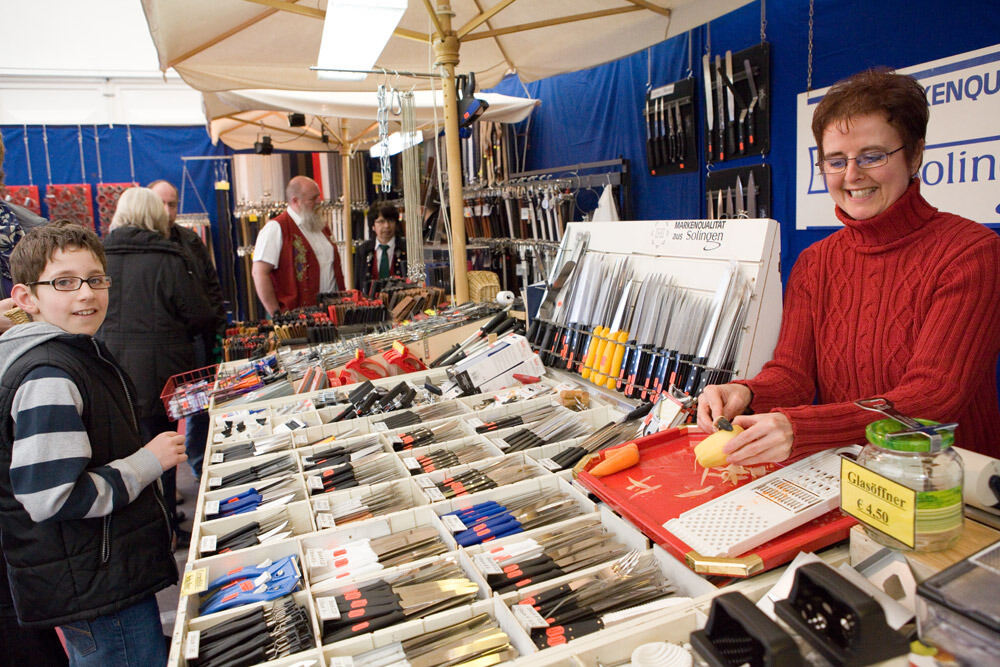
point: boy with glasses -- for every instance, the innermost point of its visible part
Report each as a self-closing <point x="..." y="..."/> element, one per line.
<point x="84" y="528"/>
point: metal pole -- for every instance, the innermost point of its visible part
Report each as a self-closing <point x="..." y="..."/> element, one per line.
<point x="345" y="172"/>
<point x="446" y="50"/>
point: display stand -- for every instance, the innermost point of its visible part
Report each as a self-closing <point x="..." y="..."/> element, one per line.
<point x="697" y="254"/>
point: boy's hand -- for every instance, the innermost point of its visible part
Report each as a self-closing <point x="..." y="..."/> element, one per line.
<point x="168" y="448"/>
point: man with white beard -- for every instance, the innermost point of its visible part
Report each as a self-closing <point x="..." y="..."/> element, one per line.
<point x="293" y="258"/>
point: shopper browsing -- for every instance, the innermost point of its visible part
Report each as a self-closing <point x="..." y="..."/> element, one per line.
<point x="903" y="302"/>
<point x="196" y="426"/>
<point x="84" y="526"/>
<point x="383" y="256"/>
<point x="293" y="257"/>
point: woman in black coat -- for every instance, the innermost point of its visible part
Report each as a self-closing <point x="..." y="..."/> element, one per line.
<point x="155" y="308"/>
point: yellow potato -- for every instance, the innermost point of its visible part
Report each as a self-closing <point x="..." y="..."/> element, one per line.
<point x="709" y="451"/>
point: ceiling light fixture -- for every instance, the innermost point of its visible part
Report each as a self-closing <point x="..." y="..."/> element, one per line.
<point x="355" y="33"/>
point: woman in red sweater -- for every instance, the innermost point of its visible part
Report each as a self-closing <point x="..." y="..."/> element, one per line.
<point x="903" y="302"/>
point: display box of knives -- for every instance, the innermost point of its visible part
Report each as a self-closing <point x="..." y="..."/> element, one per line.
<point x="671" y="130"/>
<point x="737" y="103"/>
<point x="740" y="192"/>
<point x="644" y="304"/>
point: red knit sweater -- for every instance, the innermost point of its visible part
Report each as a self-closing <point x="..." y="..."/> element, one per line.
<point x="905" y="305"/>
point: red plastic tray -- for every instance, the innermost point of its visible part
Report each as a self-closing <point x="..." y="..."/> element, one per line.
<point x="667" y="459"/>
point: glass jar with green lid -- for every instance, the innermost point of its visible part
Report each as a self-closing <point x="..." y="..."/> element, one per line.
<point x="929" y="466"/>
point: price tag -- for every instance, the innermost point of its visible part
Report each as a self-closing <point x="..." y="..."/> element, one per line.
<point x="314" y="482"/>
<point x="195" y="581"/>
<point x="412" y="463"/>
<point x="486" y="564"/>
<point x="525" y="214"/>
<point x="474" y="422"/>
<point x="218" y="457"/>
<point x="253" y="217"/>
<point x="528" y="616"/>
<point x="434" y="494"/>
<point x="453" y="523"/>
<point x="211" y="507"/>
<point x="424" y="482"/>
<point x="324" y="520"/>
<point x="549" y="464"/>
<point x="214" y="482"/>
<point x="322" y="504"/>
<point x="191" y="645"/>
<point x="342" y="661"/>
<point x="380" y="427"/>
<point x="208" y="543"/>
<point x="326" y="606"/>
<point x="878" y="502"/>
<point x="317" y="558"/>
<point x="468" y="211"/>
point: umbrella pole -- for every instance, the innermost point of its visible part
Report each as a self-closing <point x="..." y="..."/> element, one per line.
<point x="345" y="172"/>
<point x="446" y="50"/>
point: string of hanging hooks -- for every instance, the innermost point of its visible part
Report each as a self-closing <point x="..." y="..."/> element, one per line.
<point x="97" y="146"/>
<point x="79" y="141"/>
<point x="27" y="156"/>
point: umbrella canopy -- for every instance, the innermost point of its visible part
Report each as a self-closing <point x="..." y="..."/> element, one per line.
<point x="239" y="118"/>
<point x="234" y="44"/>
<point x="237" y="44"/>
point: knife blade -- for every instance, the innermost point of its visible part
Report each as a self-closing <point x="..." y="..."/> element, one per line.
<point x="754" y="98"/>
<point x="730" y="204"/>
<point x="730" y="105"/>
<point x="721" y="105"/>
<point x="741" y="211"/>
<point x="752" y="198"/>
<point x="709" y="109"/>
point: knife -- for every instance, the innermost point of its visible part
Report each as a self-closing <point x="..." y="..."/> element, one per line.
<point x="754" y="98"/>
<point x="731" y="93"/>
<point x="741" y="211"/>
<point x="709" y="109"/>
<point x="681" y="137"/>
<point x="644" y="315"/>
<point x="617" y="355"/>
<point x="672" y="135"/>
<point x="720" y="101"/>
<point x="723" y="295"/>
<point x="650" y="155"/>
<point x="730" y="106"/>
<point x="708" y="205"/>
<point x="730" y="204"/>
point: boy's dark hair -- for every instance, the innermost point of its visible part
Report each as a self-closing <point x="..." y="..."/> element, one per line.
<point x="387" y="212"/>
<point x="33" y="253"/>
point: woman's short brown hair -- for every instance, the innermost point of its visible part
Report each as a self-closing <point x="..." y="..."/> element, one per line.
<point x="33" y="252"/>
<point x="879" y="90"/>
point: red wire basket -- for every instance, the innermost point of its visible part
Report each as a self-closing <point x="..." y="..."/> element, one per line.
<point x="189" y="393"/>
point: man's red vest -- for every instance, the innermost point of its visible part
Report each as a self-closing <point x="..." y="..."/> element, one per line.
<point x="296" y="278"/>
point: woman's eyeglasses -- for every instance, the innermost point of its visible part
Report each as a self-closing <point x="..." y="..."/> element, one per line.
<point x="73" y="283"/>
<point x="869" y="160"/>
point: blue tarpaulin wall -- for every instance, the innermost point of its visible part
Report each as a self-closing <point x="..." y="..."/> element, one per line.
<point x="156" y="153"/>
<point x="596" y="114"/>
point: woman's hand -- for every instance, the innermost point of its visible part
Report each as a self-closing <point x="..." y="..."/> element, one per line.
<point x="767" y="438"/>
<point x="721" y="400"/>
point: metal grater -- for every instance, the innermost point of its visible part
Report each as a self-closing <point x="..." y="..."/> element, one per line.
<point x="763" y="509"/>
<point x="989" y="558"/>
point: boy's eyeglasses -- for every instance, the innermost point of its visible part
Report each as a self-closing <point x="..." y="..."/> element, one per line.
<point x="869" y="160"/>
<point x="73" y="283"/>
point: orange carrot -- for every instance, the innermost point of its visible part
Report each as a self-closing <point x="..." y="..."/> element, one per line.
<point x="616" y="460"/>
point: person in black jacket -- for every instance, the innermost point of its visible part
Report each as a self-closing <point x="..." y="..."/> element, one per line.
<point x="196" y="426"/>
<point x="385" y="255"/>
<point x="156" y="309"/>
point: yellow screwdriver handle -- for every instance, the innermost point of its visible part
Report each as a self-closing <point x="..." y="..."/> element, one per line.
<point x="607" y="354"/>
<point x="592" y="350"/>
<point x="616" y="360"/>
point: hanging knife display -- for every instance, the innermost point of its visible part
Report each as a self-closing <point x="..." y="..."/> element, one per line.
<point x="737" y="117"/>
<point x="670" y="128"/>
<point x="740" y="192"/>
